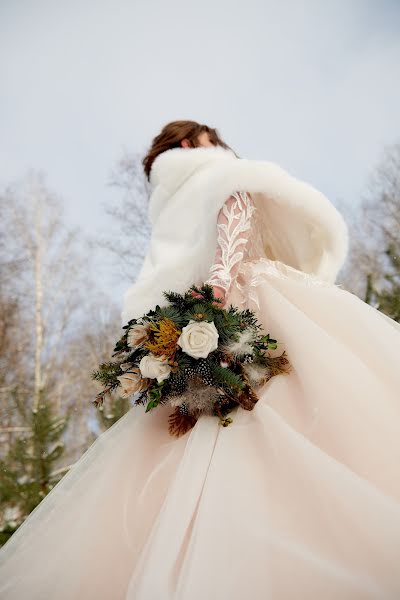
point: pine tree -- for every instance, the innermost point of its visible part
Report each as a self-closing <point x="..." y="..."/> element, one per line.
<point x="387" y="298"/>
<point x="110" y="412"/>
<point x="28" y="471"/>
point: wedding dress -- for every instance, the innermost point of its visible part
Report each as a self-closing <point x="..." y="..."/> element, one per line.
<point x="298" y="498"/>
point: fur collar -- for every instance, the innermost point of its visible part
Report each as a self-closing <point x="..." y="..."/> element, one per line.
<point x="172" y="167"/>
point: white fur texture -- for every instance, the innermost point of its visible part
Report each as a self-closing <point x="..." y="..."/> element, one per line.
<point x="300" y="227"/>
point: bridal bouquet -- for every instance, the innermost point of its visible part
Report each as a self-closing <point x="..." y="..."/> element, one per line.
<point x="194" y="355"/>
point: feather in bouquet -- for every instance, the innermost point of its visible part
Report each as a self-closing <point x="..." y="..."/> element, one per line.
<point x="194" y="355"/>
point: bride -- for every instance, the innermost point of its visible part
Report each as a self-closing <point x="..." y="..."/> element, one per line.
<point x="298" y="498"/>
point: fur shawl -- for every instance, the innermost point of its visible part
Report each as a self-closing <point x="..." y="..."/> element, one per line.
<point x="300" y="227"/>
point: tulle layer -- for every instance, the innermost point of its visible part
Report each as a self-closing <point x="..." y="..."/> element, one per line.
<point x="296" y="499"/>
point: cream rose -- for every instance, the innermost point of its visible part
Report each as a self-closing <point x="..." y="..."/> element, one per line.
<point x="199" y="338"/>
<point x="154" y="367"/>
<point x="131" y="382"/>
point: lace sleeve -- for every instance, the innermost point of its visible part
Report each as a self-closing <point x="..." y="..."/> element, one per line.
<point x="233" y="230"/>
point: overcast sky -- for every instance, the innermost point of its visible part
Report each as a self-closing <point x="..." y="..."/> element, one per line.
<point x="311" y="84"/>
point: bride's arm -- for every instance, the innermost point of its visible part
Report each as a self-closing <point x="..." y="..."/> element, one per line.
<point x="233" y="230"/>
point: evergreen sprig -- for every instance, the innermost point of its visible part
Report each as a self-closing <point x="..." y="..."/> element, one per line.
<point x="225" y="376"/>
<point x="107" y="374"/>
<point x="174" y="314"/>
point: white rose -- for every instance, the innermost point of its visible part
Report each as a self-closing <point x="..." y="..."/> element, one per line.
<point x="199" y="338"/>
<point x="154" y="367"/>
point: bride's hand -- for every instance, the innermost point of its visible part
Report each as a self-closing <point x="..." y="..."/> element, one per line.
<point x="218" y="293"/>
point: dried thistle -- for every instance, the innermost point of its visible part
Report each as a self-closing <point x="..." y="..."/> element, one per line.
<point x="137" y="335"/>
<point x="164" y="335"/>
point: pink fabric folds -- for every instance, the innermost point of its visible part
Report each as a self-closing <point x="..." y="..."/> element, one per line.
<point x="298" y="499"/>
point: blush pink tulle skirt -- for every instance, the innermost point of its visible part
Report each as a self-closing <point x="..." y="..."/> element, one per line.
<point x="298" y="499"/>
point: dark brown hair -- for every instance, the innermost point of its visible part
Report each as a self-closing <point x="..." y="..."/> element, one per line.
<point x="171" y="136"/>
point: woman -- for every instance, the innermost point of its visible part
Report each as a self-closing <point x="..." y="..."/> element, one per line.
<point x="298" y="498"/>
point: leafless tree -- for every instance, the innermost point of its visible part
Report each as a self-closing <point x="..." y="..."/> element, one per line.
<point x="128" y="231"/>
<point x="375" y="228"/>
<point x="48" y="286"/>
<point x="46" y="290"/>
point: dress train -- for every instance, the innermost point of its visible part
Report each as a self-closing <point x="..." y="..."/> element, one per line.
<point x="297" y="499"/>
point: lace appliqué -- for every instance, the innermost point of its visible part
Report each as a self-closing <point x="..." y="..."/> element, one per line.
<point x="233" y="230"/>
<point x="254" y="272"/>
